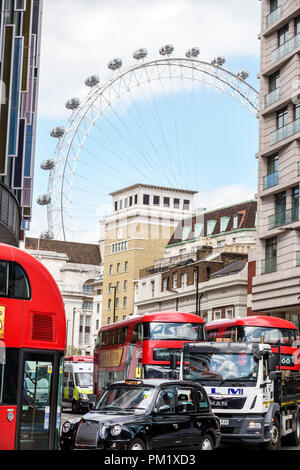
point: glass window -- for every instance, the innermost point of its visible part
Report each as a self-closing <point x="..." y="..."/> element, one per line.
<point x="176" y="203"/>
<point x="282" y="117"/>
<point x="146" y="199"/>
<point x="156" y="200"/>
<point x="210" y="226"/>
<point x="296" y="111"/>
<point x="186" y="204"/>
<point x="166" y="202"/>
<point x="274" y="4"/>
<point x="14" y="282"/>
<point x="211" y="335"/>
<point x="128" y="397"/>
<point x="202" y="399"/>
<point x="198" y="230"/>
<point x="176" y="331"/>
<point x="283" y="35"/>
<point x="137" y="334"/>
<point x="297" y="25"/>
<point x="224" y="223"/>
<point x="272" y="164"/>
<point x="185" y="400"/>
<point x="166" y="400"/>
<point x="274" y="81"/>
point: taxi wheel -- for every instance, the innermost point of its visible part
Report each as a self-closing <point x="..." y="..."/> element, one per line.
<point x="207" y="443"/>
<point x="137" y="444"/>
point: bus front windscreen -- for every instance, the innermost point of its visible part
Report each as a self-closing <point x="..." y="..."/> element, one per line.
<point x="254" y="334"/>
<point x="219" y="367"/>
<point x="176" y="331"/>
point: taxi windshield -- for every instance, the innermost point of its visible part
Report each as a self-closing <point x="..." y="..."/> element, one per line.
<point x="126" y="398"/>
<point x="220" y="367"/>
<point x="83" y="379"/>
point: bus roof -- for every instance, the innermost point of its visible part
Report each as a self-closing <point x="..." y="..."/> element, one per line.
<point x="79" y="359"/>
<point x="255" y="320"/>
<point x="168" y="316"/>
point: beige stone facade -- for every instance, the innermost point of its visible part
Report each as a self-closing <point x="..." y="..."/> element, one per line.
<point x="276" y="284"/>
<point x="135" y="235"/>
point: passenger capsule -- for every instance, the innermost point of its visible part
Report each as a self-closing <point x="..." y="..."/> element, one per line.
<point x="166" y="50"/>
<point x="47" y="164"/>
<point x="243" y="74"/>
<point x="115" y="64"/>
<point x="140" y="53"/>
<point x="43" y="200"/>
<point x="47" y="235"/>
<point x="73" y="103"/>
<point x="218" y="61"/>
<point x="57" y="132"/>
<point x="92" y="81"/>
<point x="193" y="52"/>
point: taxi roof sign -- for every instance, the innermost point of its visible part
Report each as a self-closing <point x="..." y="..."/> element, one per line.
<point x="133" y="382"/>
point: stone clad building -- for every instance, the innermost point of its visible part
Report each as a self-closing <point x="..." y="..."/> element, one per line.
<point x="77" y="270"/>
<point x="276" y="283"/>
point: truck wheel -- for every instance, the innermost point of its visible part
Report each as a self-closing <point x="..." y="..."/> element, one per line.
<point x="294" y="438"/>
<point x="275" y="441"/>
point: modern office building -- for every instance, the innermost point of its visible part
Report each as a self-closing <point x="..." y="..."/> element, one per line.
<point x="276" y="286"/>
<point x="20" y="34"/>
<point x="133" y="236"/>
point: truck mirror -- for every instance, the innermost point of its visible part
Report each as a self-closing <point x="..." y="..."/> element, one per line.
<point x="272" y="362"/>
<point x="173" y="361"/>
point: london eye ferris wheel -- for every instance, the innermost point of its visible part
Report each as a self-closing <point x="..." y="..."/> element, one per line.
<point x="121" y="131"/>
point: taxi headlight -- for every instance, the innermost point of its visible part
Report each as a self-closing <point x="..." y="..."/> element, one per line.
<point x="82" y="396"/>
<point x="116" y="430"/>
<point x="66" y="427"/>
<point x="254" y="425"/>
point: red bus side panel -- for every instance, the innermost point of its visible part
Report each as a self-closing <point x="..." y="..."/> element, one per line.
<point x="8" y="416"/>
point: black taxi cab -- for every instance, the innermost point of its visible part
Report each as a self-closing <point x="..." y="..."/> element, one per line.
<point x="146" y="414"/>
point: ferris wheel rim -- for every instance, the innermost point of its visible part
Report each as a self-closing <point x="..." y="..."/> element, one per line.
<point x="78" y="115"/>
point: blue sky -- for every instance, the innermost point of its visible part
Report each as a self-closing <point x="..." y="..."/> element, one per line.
<point x="212" y="141"/>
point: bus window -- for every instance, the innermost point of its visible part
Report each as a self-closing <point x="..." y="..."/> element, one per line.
<point x="211" y="335"/>
<point x="230" y="334"/>
<point x="14" y="282"/>
<point x="18" y="283"/>
<point x="4" y="278"/>
<point x="137" y="334"/>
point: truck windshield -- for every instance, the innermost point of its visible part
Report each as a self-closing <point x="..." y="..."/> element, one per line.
<point x="83" y="379"/>
<point x="219" y="367"/>
<point x="176" y="331"/>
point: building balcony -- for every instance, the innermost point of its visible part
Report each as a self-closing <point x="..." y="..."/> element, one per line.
<point x="284" y="218"/>
<point x="285" y="131"/>
<point x="273" y="17"/>
<point x="269" y="265"/>
<point x="286" y="48"/>
<point x="272" y="97"/>
<point x="270" y="180"/>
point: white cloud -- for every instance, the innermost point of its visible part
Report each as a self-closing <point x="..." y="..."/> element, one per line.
<point x="81" y="36"/>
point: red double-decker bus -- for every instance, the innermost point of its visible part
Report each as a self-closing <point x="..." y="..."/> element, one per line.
<point x="141" y="347"/>
<point x="32" y="344"/>
<point x="259" y="328"/>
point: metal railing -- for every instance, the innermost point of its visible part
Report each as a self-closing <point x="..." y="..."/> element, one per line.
<point x="273" y="17"/>
<point x="272" y="97"/>
<point x="269" y="265"/>
<point x="286" y="48"/>
<point x="285" y="217"/>
<point x="285" y="131"/>
<point x="270" y="180"/>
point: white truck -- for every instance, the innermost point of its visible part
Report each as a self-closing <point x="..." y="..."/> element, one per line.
<point x="78" y="382"/>
<point x="255" y="402"/>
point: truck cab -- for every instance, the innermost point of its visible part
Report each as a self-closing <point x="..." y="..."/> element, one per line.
<point x="255" y="402"/>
